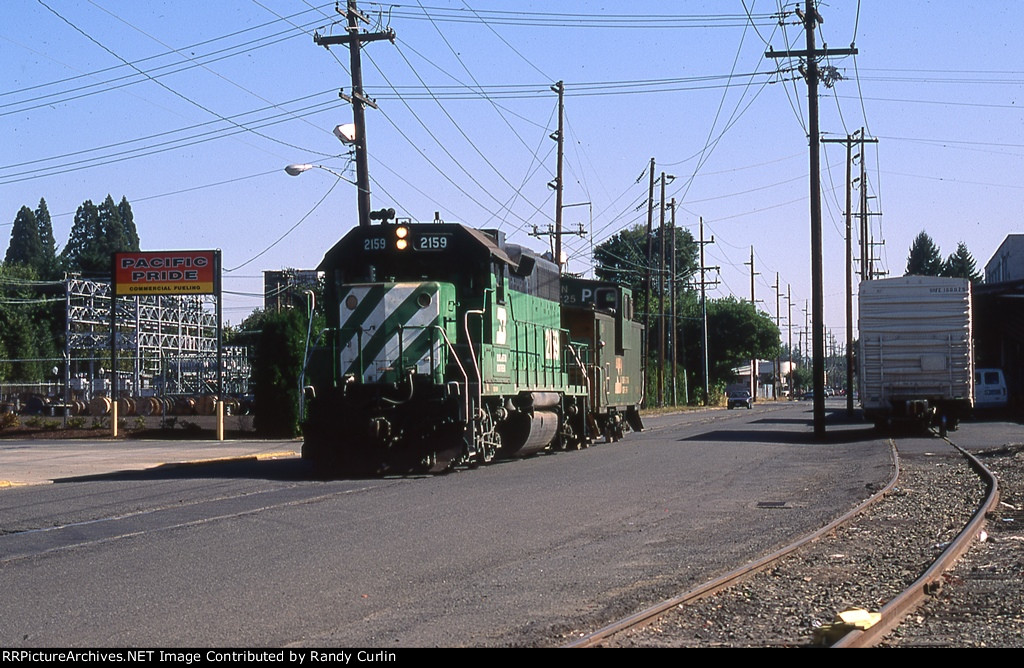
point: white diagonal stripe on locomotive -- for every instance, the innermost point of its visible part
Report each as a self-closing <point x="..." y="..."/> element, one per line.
<point x="412" y="306"/>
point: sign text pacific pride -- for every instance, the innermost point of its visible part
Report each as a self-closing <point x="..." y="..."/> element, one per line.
<point x="165" y="272"/>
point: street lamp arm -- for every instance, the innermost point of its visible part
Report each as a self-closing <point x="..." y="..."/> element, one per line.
<point x="299" y="168"/>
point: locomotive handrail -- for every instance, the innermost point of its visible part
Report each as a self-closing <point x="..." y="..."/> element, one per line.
<point x="455" y="356"/>
<point x="586" y="376"/>
<point x="598" y="382"/>
<point x="472" y="351"/>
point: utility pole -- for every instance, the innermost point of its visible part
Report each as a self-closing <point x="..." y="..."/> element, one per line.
<point x="553" y="234"/>
<point x="359" y="101"/>
<point x="674" y="328"/>
<point x="704" y="309"/>
<point x="558" y="137"/>
<point x="810" y="55"/>
<point x="661" y="294"/>
<point x="753" y="302"/>
<point x="647" y="270"/>
<point x="855" y="138"/>
<point x="789" y="320"/>
<point x="807" y="334"/>
<point x="865" y="270"/>
<point x="778" y="325"/>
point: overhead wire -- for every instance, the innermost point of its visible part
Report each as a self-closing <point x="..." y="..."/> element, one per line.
<point x="289" y="230"/>
<point x="163" y="85"/>
<point x="157" y="71"/>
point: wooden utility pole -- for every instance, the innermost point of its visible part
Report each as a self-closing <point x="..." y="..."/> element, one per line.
<point x="354" y="39"/>
<point x="704" y="310"/>
<point x="674" y="328"/>
<point x="647" y="272"/>
<point x="778" y="325"/>
<point x="559" y="137"/>
<point x="753" y="302"/>
<point x="855" y="138"/>
<point x="789" y="320"/>
<point x="661" y="298"/>
<point x="810" y="55"/>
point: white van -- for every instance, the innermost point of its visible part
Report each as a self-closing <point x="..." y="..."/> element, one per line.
<point x="989" y="389"/>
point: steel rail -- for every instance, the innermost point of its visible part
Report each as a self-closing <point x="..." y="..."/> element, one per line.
<point x="648" y="615"/>
<point x="903" y="604"/>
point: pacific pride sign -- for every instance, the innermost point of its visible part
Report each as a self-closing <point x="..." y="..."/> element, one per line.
<point x="182" y="272"/>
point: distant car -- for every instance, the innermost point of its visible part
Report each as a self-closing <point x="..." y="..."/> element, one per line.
<point x="739" y="400"/>
<point x="808" y="396"/>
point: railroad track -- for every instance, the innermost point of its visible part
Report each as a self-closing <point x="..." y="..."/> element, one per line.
<point x="886" y="556"/>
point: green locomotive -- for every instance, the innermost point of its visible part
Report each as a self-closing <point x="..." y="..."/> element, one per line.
<point x="446" y="346"/>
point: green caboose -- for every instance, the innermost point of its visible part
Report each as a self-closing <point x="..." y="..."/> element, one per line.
<point x="599" y="315"/>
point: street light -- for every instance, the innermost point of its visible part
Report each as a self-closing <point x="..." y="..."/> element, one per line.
<point x="299" y="168"/>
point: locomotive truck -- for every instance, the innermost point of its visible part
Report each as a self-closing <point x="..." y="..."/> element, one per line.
<point x="446" y="346"/>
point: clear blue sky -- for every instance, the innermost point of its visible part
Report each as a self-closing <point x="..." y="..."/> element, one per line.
<point x="192" y="109"/>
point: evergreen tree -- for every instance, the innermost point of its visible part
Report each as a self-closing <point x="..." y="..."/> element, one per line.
<point x="25" y="249"/>
<point x="48" y="268"/>
<point x="99" y="232"/>
<point x="84" y="250"/>
<point x="110" y="225"/>
<point x="925" y="258"/>
<point x="131" y="234"/>
<point x="961" y="265"/>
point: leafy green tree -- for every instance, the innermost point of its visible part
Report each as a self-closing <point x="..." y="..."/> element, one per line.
<point x="925" y="258"/>
<point x="276" y="367"/>
<point x="961" y="265"/>
<point x="737" y="333"/>
<point x="25" y="249"/>
<point x="803" y="378"/>
<point x="622" y="259"/>
<point x="27" y="312"/>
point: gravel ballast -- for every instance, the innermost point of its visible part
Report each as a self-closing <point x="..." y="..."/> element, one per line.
<point x="867" y="562"/>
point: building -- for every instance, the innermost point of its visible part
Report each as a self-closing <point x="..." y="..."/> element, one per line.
<point x="286" y="288"/>
<point x="1007" y="263"/>
<point x="999" y="317"/>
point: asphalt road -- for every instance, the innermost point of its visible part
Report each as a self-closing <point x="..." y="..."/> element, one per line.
<point x="257" y="553"/>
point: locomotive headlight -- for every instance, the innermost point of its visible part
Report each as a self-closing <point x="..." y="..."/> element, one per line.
<point x="402" y="234"/>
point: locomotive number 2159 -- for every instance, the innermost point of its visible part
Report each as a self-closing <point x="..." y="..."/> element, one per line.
<point x="431" y="242"/>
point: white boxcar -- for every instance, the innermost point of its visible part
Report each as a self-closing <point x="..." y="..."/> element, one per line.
<point x="916" y="359"/>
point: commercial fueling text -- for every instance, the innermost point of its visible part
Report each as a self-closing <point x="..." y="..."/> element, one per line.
<point x="293" y="657"/>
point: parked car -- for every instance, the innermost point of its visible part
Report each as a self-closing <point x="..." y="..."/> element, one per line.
<point x="989" y="389"/>
<point x="740" y="400"/>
